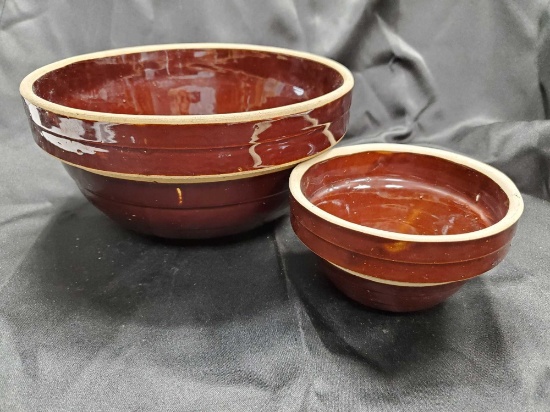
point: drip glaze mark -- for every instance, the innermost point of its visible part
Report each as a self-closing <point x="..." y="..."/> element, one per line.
<point x="180" y="196"/>
<point x="396" y="246"/>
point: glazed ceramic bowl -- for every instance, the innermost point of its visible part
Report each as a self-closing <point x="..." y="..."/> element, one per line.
<point x="183" y="126"/>
<point x="402" y="227"/>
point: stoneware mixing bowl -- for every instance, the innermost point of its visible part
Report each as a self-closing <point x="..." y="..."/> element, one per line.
<point x="188" y="140"/>
<point x="401" y="227"/>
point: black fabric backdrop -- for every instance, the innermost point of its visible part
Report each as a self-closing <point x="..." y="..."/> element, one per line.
<point x="95" y="318"/>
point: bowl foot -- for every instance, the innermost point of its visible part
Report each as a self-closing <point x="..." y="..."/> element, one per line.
<point x="187" y="211"/>
<point x="204" y="223"/>
<point x="386" y="297"/>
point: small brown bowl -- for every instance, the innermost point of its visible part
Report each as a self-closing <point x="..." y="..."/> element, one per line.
<point x="402" y="227"/>
<point x="190" y="118"/>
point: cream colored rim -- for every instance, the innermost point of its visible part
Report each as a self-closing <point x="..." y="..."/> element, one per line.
<point x="515" y="208"/>
<point x="192" y="179"/>
<point x="390" y="282"/>
<point x="308" y="105"/>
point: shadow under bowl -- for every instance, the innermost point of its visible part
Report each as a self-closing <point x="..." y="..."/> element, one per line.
<point x="401" y="215"/>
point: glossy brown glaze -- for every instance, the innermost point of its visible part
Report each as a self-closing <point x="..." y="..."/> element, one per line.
<point x="187" y="81"/>
<point x="386" y="297"/>
<point x="378" y="246"/>
<point x="174" y="97"/>
<point x="405" y="193"/>
<point x="190" y="211"/>
<point x="190" y="150"/>
<point x="398" y="217"/>
<point x="188" y="140"/>
<point x="381" y="265"/>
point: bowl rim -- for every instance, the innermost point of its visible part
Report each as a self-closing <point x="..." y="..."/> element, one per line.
<point x="515" y="208"/>
<point x="26" y="89"/>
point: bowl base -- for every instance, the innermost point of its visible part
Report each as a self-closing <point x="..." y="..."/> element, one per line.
<point x="174" y="225"/>
<point x="388" y="297"/>
<point x="187" y="211"/>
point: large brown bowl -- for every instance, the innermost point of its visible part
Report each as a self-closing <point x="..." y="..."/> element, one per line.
<point x="396" y="221"/>
<point x="190" y="118"/>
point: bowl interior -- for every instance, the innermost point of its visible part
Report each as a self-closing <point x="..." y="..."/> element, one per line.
<point x="406" y="193"/>
<point x="187" y="82"/>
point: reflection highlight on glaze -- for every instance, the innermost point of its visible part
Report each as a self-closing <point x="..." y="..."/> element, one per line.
<point x="402" y="205"/>
<point x="103" y="133"/>
<point x="259" y="128"/>
<point x="170" y="84"/>
<point x="75" y="129"/>
<point x="315" y="123"/>
<point x="71" y="146"/>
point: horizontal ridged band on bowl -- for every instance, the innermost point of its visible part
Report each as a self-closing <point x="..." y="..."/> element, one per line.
<point x="397" y="250"/>
<point x="398" y="271"/>
<point x="113" y="110"/>
<point x="170" y="161"/>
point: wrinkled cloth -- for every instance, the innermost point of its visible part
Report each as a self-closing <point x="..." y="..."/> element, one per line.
<point x="96" y="318"/>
